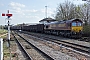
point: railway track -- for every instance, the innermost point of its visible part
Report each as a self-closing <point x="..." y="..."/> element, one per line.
<point x="75" y="47"/>
<point x="30" y="51"/>
<point x="86" y="39"/>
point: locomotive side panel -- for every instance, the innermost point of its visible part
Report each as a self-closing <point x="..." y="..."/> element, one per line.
<point x="58" y="26"/>
<point x="62" y="26"/>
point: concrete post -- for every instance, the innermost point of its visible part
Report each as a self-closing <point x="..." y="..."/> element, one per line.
<point x="1" y="49"/>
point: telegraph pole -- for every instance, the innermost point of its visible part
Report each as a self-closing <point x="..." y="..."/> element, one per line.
<point x="46" y="11"/>
<point x="8" y="40"/>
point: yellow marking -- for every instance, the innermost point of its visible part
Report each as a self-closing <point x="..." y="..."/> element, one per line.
<point x="77" y="28"/>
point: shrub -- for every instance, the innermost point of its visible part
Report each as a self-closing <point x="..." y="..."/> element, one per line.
<point x="86" y="30"/>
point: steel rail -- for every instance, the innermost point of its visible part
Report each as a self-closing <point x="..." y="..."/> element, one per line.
<point x="25" y="52"/>
<point x="36" y="48"/>
<point x="54" y="40"/>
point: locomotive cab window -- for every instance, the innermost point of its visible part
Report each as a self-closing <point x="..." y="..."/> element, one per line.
<point x="79" y="24"/>
<point x="76" y="24"/>
<point x="73" y="23"/>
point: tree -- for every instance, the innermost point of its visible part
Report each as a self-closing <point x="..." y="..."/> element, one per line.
<point x="68" y="10"/>
<point x="86" y="13"/>
<point x="65" y="11"/>
<point x="1" y="27"/>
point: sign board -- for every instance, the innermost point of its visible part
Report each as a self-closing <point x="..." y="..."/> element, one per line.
<point x="9" y="15"/>
<point x="3" y="14"/>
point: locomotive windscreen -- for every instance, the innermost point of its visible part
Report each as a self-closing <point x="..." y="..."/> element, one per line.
<point x="76" y="24"/>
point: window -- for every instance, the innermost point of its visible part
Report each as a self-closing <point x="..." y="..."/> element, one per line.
<point x="73" y="23"/>
<point x="76" y="24"/>
<point x="79" y="24"/>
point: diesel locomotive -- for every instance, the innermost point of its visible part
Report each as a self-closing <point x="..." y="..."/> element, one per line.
<point x="68" y="28"/>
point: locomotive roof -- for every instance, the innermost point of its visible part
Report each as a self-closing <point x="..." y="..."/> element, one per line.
<point x="73" y="20"/>
<point x="47" y="19"/>
<point x="64" y="21"/>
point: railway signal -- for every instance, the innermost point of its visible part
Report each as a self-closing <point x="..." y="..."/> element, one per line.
<point x="3" y="14"/>
<point x="8" y="14"/>
<point x="8" y="18"/>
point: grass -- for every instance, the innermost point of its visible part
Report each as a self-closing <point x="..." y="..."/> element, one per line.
<point x="5" y="49"/>
<point x="4" y="35"/>
<point x="2" y="31"/>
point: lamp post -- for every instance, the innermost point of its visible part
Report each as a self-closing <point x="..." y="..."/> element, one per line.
<point x="46" y="11"/>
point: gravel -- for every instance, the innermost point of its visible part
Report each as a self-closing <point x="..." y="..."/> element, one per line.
<point x="20" y="54"/>
<point x="79" y="42"/>
<point x="56" y="55"/>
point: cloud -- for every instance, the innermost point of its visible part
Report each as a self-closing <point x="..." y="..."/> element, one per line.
<point x="30" y="11"/>
<point x="14" y="4"/>
<point x="32" y="17"/>
<point x="50" y="11"/>
<point x="1" y="4"/>
<point x="17" y="7"/>
<point x="21" y="13"/>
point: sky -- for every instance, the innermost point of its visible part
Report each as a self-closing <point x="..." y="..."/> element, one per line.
<point x="29" y="11"/>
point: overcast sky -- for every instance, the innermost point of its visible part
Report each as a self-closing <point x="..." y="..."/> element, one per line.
<point x="29" y="11"/>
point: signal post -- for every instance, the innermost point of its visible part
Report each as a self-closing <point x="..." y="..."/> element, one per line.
<point x="8" y="18"/>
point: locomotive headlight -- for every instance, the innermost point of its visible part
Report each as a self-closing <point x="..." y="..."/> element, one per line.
<point x="80" y="30"/>
<point x="73" y="29"/>
<point x="74" y="32"/>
